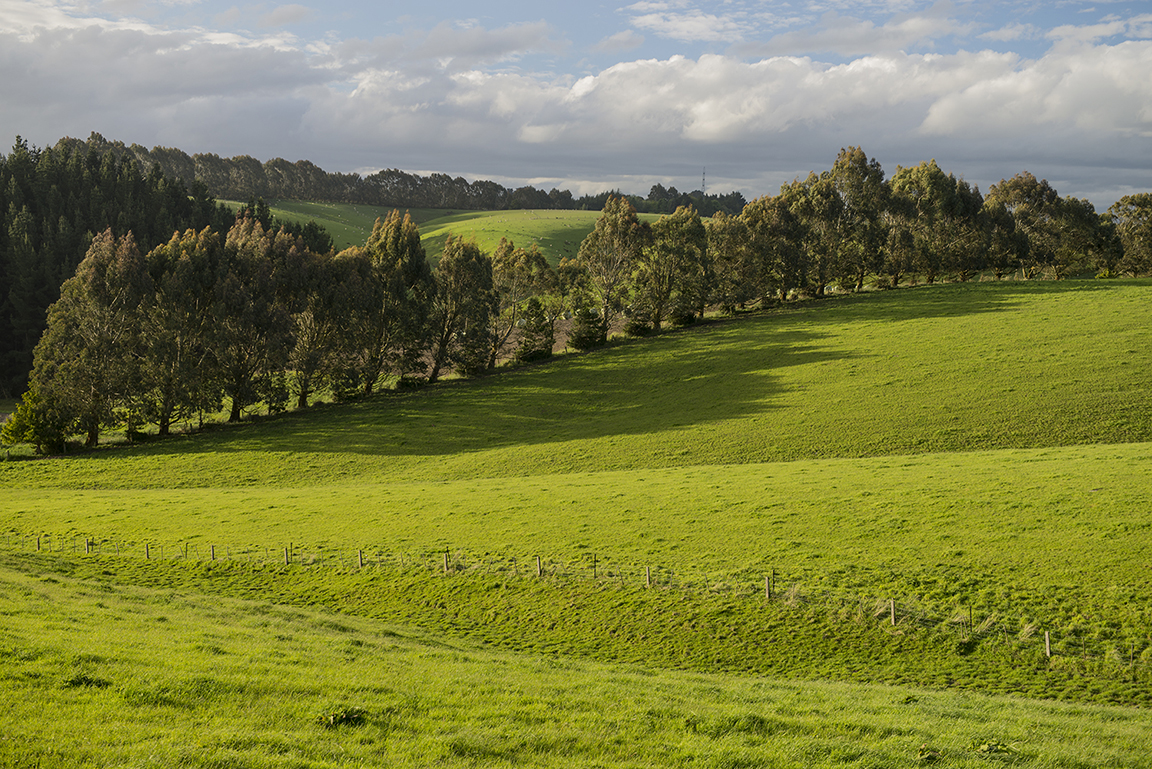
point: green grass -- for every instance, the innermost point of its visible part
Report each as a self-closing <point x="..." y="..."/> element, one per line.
<point x="557" y="233"/>
<point x="976" y="448"/>
<point x="104" y="674"/>
<point x="348" y="224"/>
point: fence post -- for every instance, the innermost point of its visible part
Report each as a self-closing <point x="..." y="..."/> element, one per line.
<point x="360" y="559"/>
<point x="539" y="569"/>
<point x="147" y="554"/>
<point x="212" y="548"/>
<point x="647" y="576"/>
<point x="1047" y="645"/>
<point x="445" y="560"/>
<point x="768" y="587"/>
<point x="286" y="557"/>
<point x="37" y="543"/>
<point x="87" y="546"/>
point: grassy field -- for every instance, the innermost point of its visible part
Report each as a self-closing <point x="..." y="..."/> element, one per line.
<point x="557" y="233"/>
<point x="160" y="677"/>
<point x="976" y="452"/>
<point x="348" y="224"/>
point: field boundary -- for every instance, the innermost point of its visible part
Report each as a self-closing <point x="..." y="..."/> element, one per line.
<point x="895" y="613"/>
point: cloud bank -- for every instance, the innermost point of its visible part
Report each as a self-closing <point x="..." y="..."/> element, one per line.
<point x="491" y="102"/>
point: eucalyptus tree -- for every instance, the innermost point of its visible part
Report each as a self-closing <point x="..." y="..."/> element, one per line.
<point x="609" y="255"/>
<point x="88" y="362"/>
<point x="251" y="335"/>
<point x="1132" y="215"/>
<point x="518" y="275"/>
<point x="734" y="267"/>
<point x="1064" y="234"/>
<point x="671" y="271"/>
<point x="818" y="209"/>
<point x="859" y="182"/>
<point x="463" y="304"/>
<point x="392" y="333"/>
<point x="780" y="241"/>
<point x="946" y="218"/>
<point x="175" y="326"/>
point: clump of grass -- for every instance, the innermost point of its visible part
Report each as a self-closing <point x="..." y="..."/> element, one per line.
<point x="342" y="716"/>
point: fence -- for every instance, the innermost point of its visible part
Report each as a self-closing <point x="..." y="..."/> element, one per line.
<point x="1125" y="656"/>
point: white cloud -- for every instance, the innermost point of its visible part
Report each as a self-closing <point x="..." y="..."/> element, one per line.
<point x="465" y="99"/>
<point x="1080" y="88"/>
<point x="692" y="26"/>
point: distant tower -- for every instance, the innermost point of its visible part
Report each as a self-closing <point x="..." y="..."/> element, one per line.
<point x="704" y="181"/>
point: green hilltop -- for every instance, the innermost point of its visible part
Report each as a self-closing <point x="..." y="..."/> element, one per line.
<point x="937" y="476"/>
<point x="557" y="233"/>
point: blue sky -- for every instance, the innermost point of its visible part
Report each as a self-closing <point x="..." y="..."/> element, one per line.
<point x="595" y="95"/>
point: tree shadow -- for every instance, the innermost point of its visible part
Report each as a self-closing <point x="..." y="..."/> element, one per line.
<point x="724" y="370"/>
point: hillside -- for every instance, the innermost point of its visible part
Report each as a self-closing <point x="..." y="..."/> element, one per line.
<point x="970" y="457"/>
<point x="557" y="233"/>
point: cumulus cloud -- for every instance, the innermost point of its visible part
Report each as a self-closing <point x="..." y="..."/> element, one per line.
<point x="460" y="98"/>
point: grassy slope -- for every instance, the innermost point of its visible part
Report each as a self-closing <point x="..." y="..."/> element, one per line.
<point x="136" y="676"/>
<point x="979" y="446"/>
<point x="557" y="233"/>
<point x="348" y="224"/>
<point x="899" y="438"/>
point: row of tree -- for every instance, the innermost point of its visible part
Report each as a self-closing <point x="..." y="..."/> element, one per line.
<point x="52" y="204"/>
<point x="257" y="316"/>
<point x="242" y="177"/>
<point x="848" y="227"/>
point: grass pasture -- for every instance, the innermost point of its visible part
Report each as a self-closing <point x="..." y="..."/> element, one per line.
<point x="974" y="451"/>
<point x="349" y="224"/>
<point x="557" y="233"/>
<point x="167" y="677"/>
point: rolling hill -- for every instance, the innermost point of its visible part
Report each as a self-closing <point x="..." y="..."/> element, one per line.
<point x="937" y="477"/>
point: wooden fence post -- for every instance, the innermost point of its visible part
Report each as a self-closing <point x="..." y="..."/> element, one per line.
<point x="1047" y="645"/>
<point x="648" y="576"/>
<point x="539" y="569"/>
<point x="87" y="546"/>
<point x="360" y="559"/>
<point x="445" y="560"/>
<point x="286" y="556"/>
<point x="212" y="548"/>
<point x="37" y="543"/>
<point x="768" y="587"/>
<point x="147" y="554"/>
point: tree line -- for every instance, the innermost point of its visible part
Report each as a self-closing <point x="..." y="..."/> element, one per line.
<point x="54" y="201"/>
<point x="242" y="177"/>
<point x="255" y="316"/>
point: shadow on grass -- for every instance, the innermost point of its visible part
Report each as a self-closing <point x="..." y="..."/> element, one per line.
<point x="723" y="370"/>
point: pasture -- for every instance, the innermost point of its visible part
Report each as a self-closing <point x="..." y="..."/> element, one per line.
<point x="557" y="233"/>
<point x="138" y="676"/>
<point x="976" y="452"/>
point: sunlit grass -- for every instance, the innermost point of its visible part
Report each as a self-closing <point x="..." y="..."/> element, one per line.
<point x="109" y="675"/>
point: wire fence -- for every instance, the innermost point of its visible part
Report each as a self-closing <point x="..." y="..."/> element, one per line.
<point x="1130" y="653"/>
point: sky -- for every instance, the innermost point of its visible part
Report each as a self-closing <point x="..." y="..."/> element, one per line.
<point x="735" y="94"/>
